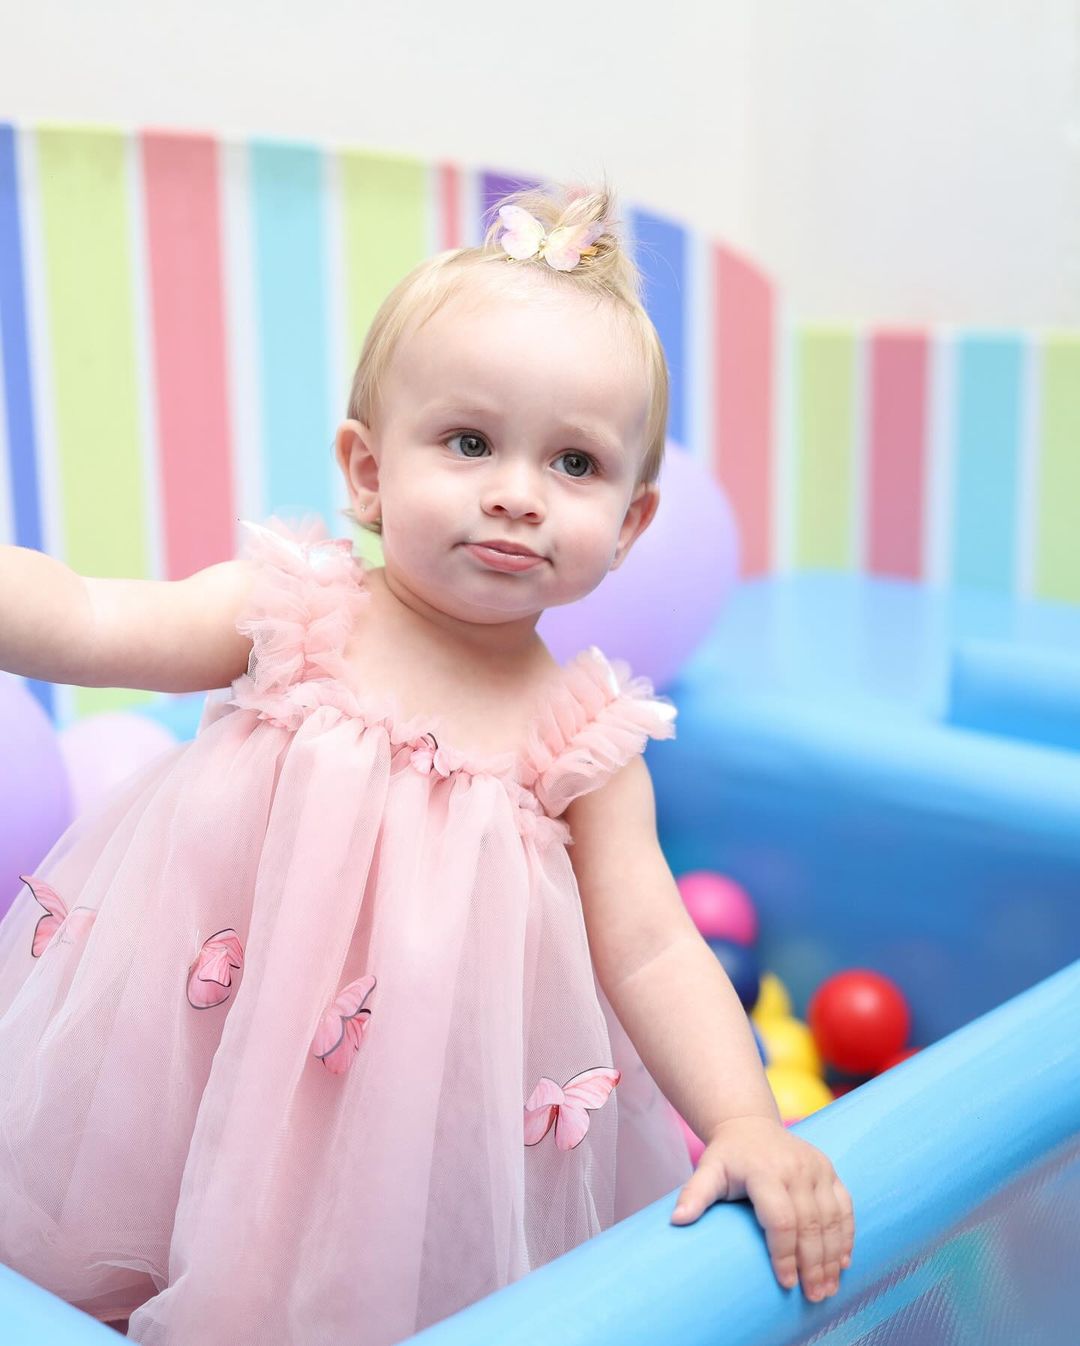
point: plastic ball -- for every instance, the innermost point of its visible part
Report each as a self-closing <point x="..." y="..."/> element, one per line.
<point x="859" y="1020"/>
<point x="895" y="1060"/>
<point x="741" y="964"/>
<point x="35" y="795"/>
<point x="101" y="751"/>
<point x="789" y="1042"/>
<point x="797" y="1092"/>
<point x="719" y="907"/>
<point x="773" y="1002"/>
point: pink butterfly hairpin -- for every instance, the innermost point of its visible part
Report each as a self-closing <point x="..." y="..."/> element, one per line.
<point x="567" y="1108"/>
<point x="524" y="236"/>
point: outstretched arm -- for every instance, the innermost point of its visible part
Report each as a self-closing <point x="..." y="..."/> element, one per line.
<point x="161" y="635"/>
<point x="683" y="1016"/>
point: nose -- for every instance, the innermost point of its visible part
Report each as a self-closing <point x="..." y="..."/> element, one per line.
<point x="514" y="492"/>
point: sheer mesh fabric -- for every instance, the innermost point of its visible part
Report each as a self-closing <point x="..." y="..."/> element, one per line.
<point x="198" y="1166"/>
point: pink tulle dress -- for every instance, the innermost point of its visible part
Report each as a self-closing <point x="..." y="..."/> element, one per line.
<point x="300" y="1041"/>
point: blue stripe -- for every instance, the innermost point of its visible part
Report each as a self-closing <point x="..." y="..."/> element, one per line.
<point x="298" y="421"/>
<point x="989" y="379"/>
<point x="660" y="252"/>
<point x="25" y="490"/>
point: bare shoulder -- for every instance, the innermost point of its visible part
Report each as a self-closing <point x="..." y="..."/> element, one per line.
<point x="170" y="635"/>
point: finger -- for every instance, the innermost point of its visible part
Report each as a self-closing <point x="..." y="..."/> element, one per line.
<point x="708" y="1184"/>
<point x="810" y="1248"/>
<point x="832" y="1233"/>
<point x="776" y="1215"/>
<point x="847" y="1218"/>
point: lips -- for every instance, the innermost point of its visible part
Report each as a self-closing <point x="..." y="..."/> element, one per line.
<point x="510" y="548"/>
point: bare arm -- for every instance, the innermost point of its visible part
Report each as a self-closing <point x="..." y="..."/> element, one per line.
<point x="683" y="1016"/>
<point x="664" y="982"/>
<point x="161" y="635"/>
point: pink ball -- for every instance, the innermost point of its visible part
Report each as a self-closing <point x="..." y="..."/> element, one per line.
<point x="719" y="907"/>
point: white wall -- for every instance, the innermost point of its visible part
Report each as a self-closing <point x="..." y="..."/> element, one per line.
<point x="899" y="159"/>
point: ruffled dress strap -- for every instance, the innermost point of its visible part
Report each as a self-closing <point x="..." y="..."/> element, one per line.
<point x="306" y="593"/>
<point x="598" y="717"/>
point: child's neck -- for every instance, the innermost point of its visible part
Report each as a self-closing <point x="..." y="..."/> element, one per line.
<point x="509" y="645"/>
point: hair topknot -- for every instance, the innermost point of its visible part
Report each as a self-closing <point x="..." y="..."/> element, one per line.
<point x="606" y="270"/>
<point x="606" y="266"/>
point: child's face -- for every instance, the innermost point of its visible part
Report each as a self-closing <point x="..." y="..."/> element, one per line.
<point x="516" y="414"/>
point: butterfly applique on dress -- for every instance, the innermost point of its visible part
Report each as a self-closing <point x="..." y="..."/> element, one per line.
<point x="567" y="1107"/>
<point x="210" y="976"/>
<point x="342" y="1026"/>
<point x="58" y="922"/>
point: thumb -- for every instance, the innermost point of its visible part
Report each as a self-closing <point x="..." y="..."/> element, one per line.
<point x="707" y="1185"/>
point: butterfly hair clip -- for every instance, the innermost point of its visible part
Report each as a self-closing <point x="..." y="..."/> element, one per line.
<point x="524" y="236"/>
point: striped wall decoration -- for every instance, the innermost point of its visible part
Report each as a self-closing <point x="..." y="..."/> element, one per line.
<point x="180" y="317"/>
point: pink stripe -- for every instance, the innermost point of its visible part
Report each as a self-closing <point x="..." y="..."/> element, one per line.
<point x="896" y="485"/>
<point x="743" y="369"/>
<point x="449" y="206"/>
<point x="187" y="302"/>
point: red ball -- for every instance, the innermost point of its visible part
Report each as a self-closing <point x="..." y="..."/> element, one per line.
<point x="900" y="1056"/>
<point x="859" y="1020"/>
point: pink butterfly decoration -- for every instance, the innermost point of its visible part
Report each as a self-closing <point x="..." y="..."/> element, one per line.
<point x="427" y="757"/>
<point x="210" y="975"/>
<point x="58" y="921"/>
<point x="523" y="237"/>
<point x="567" y="1108"/>
<point x="342" y="1026"/>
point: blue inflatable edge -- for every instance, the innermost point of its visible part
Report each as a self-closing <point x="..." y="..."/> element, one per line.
<point x="919" y="1148"/>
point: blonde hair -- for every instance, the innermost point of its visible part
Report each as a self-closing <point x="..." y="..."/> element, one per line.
<point x="606" y="270"/>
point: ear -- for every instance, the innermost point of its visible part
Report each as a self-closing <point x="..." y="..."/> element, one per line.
<point x="639" y="515"/>
<point x="354" y="450"/>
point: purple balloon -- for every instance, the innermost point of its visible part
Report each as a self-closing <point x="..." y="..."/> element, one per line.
<point x="103" y="750"/>
<point x="35" y="801"/>
<point x="660" y="604"/>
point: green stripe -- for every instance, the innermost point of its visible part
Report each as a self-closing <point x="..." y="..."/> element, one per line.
<point x="824" y="448"/>
<point x="90" y="307"/>
<point x="385" y="211"/>
<point x="1057" y="555"/>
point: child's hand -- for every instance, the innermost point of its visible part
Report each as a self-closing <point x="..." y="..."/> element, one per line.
<point x="801" y="1204"/>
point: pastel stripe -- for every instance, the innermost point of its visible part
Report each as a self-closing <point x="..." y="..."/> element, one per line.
<point x="449" y="205"/>
<point x="90" y="308"/>
<point x="19" y="433"/>
<point x="896" y="487"/>
<point x="289" y="233"/>
<point x="183" y="226"/>
<point x="986" y="460"/>
<point x="824" y="447"/>
<point x="385" y="212"/>
<point x="23" y="485"/>
<point x="1057" y="559"/>
<point x="742" y="376"/>
<point x="660" y="253"/>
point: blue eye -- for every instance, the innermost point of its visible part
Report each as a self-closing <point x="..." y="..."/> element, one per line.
<point x="472" y="445"/>
<point x="581" y="461"/>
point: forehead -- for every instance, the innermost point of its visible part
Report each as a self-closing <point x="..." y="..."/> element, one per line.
<point x="530" y="347"/>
